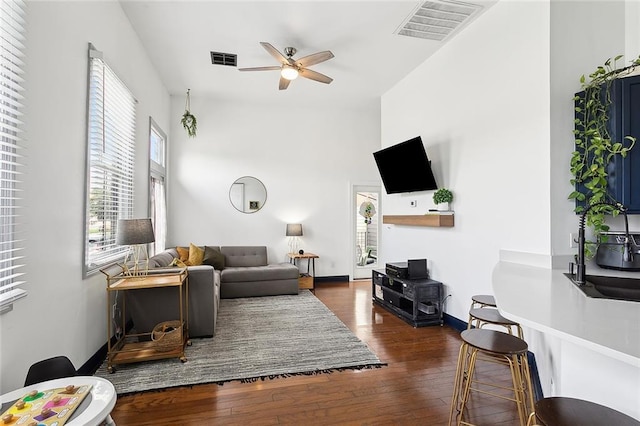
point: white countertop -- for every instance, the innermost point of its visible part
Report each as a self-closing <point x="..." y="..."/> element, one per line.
<point x="546" y="300"/>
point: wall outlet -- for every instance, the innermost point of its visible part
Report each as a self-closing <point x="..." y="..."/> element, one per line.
<point x="413" y="203"/>
<point x="573" y="240"/>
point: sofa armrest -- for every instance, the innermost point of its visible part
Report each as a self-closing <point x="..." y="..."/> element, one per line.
<point x="199" y="272"/>
<point x="202" y="304"/>
<point x="148" y="307"/>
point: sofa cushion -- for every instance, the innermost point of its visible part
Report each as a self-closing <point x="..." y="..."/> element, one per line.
<point x="244" y="256"/>
<point x="214" y="257"/>
<point x="164" y="259"/>
<point x="279" y="271"/>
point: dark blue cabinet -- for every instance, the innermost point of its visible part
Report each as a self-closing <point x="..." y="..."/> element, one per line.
<point x="624" y="182"/>
<point x="623" y="174"/>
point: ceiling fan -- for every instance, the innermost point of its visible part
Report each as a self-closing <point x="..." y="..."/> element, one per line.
<point x="290" y="68"/>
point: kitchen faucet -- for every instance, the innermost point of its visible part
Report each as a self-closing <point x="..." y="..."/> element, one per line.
<point x="627" y="253"/>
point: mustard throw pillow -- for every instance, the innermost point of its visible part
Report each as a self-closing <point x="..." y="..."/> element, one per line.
<point x="183" y="252"/>
<point x="196" y="254"/>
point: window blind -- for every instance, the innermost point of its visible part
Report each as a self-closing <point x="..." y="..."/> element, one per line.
<point x="12" y="30"/>
<point x="111" y="140"/>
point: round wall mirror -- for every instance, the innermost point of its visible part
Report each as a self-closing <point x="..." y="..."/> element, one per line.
<point x="247" y="194"/>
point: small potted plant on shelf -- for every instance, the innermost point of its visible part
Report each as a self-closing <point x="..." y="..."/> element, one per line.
<point x="442" y="197"/>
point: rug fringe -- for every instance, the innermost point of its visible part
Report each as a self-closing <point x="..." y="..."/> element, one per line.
<point x="265" y="377"/>
<point x="305" y="373"/>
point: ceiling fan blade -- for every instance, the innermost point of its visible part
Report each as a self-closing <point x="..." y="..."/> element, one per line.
<point x="284" y="83"/>
<point x="316" y="58"/>
<point x="276" y="54"/>
<point x="273" y="68"/>
<point x="314" y="75"/>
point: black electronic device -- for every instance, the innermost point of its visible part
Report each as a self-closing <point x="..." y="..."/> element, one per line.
<point x="413" y="269"/>
<point x="405" y="167"/>
<point x="418" y="269"/>
<point x="397" y="269"/>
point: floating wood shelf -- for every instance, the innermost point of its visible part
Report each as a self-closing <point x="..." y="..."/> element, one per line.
<point x="437" y="220"/>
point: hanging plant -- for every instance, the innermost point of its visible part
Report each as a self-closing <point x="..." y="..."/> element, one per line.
<point x="189" y="121"/>
<point x="595" y="148"/>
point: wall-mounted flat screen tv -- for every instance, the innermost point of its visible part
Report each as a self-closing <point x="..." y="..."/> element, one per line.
<point x="405" y="167"/>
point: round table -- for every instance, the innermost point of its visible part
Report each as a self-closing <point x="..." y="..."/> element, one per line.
<point x="103" y="398"/>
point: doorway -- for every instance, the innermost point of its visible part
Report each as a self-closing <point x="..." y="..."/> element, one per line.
<point x="366" y="230"/>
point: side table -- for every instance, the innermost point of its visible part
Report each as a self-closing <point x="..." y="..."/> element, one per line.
<point x="142" y="346"/>
<point x="306" y="280"/>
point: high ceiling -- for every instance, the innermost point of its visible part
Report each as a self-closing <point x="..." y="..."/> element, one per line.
<point x="369" y="57"/>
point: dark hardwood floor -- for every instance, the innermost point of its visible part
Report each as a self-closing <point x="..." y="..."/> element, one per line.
<point x="413" y="389"/>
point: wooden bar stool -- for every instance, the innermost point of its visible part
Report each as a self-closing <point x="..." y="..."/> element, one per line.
<point x="479" y="317"/>
<point x="498" y="346"/>
<point x="561" y="411"/>
<point x="482" y="300"/>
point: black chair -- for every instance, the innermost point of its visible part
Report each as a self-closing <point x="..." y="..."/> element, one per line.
<point x="49" y="369"/>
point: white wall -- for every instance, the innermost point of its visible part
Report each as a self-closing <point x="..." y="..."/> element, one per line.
<point x="632" y="30"/>
<point x="306" y="155"/>
<point x="64" y="314"/>
<point x="481" y="105"/>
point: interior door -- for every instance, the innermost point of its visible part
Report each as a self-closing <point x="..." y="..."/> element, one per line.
<point x="366" y="228"/>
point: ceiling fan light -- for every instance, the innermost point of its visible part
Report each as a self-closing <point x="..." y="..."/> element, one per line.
<point x="288" y="72"/>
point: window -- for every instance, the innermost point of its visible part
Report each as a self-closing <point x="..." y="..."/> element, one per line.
<point x="12" y="18"/>
<point x="157" y="187"/>
<point x="111" y="143"/>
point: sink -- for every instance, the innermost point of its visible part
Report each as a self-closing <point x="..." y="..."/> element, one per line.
<point x="619" y="288"/>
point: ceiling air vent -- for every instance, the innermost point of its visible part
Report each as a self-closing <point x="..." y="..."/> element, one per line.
<point x="437" y="20"/>
<point x="227" y="59"/>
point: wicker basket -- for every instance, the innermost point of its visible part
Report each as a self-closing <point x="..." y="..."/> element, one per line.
<point x="167" y="335"/>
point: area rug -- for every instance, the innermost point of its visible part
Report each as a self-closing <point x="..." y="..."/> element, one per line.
<point x="256" y="338"/>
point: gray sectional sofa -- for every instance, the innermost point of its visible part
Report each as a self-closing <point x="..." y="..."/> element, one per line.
<point x="246" y="273"/>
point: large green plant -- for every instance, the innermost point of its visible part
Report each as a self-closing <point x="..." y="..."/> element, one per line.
<point x="595" y="148"/>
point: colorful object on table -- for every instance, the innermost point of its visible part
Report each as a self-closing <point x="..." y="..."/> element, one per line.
<point x="33" y="395"/>
<point x="46" y="408"/>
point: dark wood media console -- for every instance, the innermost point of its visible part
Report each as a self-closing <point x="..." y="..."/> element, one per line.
<point x="418" y="302"/>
